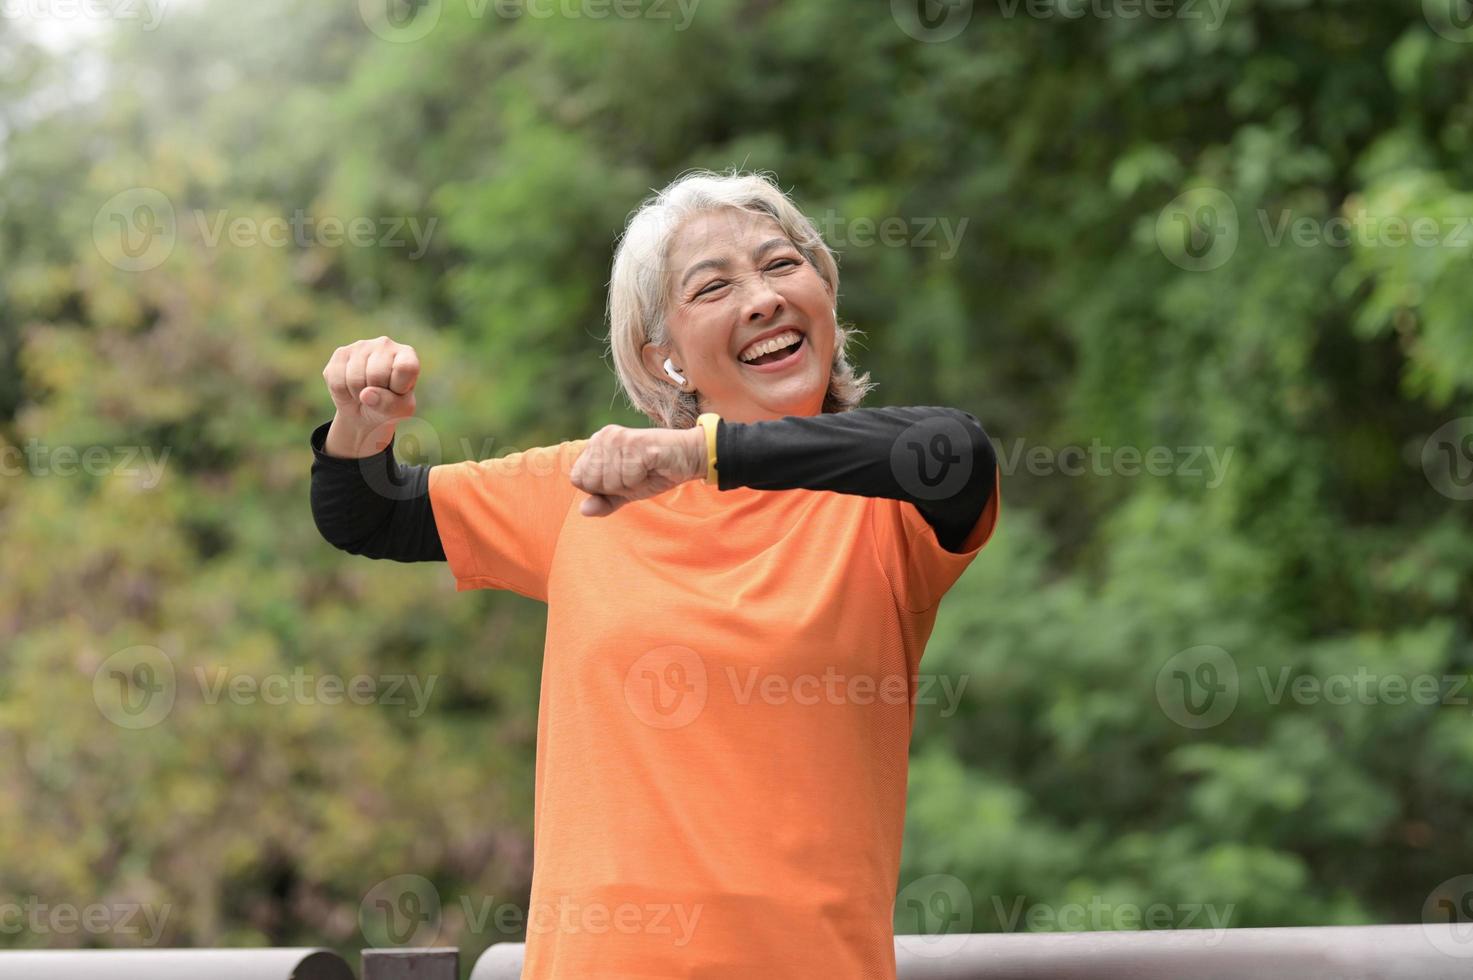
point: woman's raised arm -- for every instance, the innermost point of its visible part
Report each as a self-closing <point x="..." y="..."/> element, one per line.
<point x="353" y="511"/>
<point x="937" y="458"/>
<point x="365" y="501"/>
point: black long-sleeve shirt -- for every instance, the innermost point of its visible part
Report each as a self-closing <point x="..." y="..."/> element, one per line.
<point x="937" y="458"/>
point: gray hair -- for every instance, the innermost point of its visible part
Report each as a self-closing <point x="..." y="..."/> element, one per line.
<point x="640" y="286"/>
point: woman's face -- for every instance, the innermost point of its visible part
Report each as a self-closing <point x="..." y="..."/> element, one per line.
<point x="738" y="279"/>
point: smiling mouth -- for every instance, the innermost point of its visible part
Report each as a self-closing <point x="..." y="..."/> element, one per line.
<point x="777" y="356"/>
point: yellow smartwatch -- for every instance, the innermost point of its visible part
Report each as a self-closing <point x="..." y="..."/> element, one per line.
<point x="707" y="421"/>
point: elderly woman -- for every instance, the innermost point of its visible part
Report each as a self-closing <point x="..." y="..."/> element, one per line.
<point x="738" y="600"/>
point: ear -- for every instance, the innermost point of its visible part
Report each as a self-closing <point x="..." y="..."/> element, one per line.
<point x="654" y="356"/>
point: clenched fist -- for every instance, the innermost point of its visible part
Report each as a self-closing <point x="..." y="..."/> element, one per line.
<point x="372" y="386"/>
<point x="620" y="464"/>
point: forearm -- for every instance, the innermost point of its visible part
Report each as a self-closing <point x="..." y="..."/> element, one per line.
<point x="860" y="452"/>
<point x="376" y="506"/>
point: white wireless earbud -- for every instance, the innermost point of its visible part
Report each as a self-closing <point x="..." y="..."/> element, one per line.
<point x="670" y="370"/>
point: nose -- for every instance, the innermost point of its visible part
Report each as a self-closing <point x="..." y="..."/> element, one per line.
<point x="762" y="302"/>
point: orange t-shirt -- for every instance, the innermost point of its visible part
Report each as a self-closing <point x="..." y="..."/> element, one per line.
<point x="724" y="720"/>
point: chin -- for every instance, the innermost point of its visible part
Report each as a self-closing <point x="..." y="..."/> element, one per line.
<point x="807" y="401"/>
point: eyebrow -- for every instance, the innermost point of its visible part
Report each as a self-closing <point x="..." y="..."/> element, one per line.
<point x="757" y="253"/>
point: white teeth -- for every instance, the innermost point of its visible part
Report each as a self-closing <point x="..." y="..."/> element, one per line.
<point x="769" y="345"/>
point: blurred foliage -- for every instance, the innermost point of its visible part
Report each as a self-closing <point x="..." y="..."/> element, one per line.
<point x="1061" y="318"/>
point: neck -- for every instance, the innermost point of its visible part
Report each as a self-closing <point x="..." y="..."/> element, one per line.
<point x="752" y="413"/>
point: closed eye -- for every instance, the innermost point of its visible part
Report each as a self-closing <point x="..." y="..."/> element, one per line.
<point x="718" y="283"/>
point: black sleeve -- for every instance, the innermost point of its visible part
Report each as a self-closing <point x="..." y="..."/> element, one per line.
<point x="375" y="506"/>
<point x="939" y="459"/>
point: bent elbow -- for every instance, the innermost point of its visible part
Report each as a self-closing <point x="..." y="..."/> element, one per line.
<point x="979" y="454"/>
